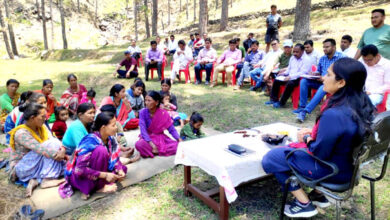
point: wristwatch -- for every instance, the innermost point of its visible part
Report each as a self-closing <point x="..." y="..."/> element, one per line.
<point x="305" y="138"/>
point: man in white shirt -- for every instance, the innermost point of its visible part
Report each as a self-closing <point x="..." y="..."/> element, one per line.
<point x="182" y="56"/>
<point x="345" y="46"/>
<point x="172" y="45"/>
<point x="312" y="54"/>
<point x="134" y="50"/>
<point x="160" y="45"/>
<point x="206" y="57"/>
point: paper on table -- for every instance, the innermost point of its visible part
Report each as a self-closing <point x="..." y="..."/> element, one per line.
<point x="281" y="78"/>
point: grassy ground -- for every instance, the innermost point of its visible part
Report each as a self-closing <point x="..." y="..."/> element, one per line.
<point x="161" y="197"/>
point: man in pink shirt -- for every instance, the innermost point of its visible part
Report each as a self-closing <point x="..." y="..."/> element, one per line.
<point x="378" y="73"/>
<point x="226" y="63"/>
<point x="205" y="60"/>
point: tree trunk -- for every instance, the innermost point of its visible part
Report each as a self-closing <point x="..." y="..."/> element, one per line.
<point x="216" y="4"/>
<point x="180" y="5"/>
<point x="194" y="10"/>
<point x="146" y="19"/>
<point x="231" y="3"/>
<point x="169" y="12"/>
<point x="44" y="25"/>
<point x="135" y="19"/>
<point x="38" y="10"/>
<point x="51" y="24"/>
<point x="203" y="12"/>
<point x="10" y="29"/>
<point x="96" y="11"/>
<point x="5" y="36"/>
<point x="154" y="17"/>
<point x="64" y="41"/>
<point x="224" y="15"/>
<point x="302" y="21"/>
<point x="162" y="22"/>
<point x="78" y="6"/>
<point x="187" y="9"/>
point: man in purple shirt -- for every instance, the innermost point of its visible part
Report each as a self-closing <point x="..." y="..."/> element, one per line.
<point x="130" y="64"/>
<point x="298" y="65"/>
<point x="153" y="59"/>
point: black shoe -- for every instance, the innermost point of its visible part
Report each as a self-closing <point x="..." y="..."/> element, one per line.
<point x="253" y="88"/>
<point x="206" y="83"/>
<point x="198" y="82"/>
<point x="296" y="210"/>
<point x="319" y="199"/>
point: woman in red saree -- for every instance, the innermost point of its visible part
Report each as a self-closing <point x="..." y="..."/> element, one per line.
<point x="47" y="88"/>
<point x="153" y="122"/>
<point x="124" y="114"/>
<point x="70" y="99"/>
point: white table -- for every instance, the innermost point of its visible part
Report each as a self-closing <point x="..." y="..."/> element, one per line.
<point x="230" y="170"/>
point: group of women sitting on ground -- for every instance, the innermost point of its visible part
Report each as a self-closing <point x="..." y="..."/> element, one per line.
<point x="87" y="152"/>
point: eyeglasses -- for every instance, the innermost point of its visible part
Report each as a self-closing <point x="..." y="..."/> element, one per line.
<point x="273" y="44"/>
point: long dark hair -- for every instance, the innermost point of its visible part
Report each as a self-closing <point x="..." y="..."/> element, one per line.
<point x="84" y="107"/>
<point x="47" y="82"/>
<point x="353" y="94"/>
<point x="31" y="98"/>
<point x="102" y="119"/>
<point x="155" y="96"/>
<point x="116" y="89"/>
<point x="31" y="110"/>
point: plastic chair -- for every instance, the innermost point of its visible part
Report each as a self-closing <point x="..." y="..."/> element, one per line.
<point x="379" y="144"/>
<point x="233" y="75"/>
<point x="204" y="71"/>
<point x="186" y="72"/>
<point x="140" y="60"/>
<point x="294" y="95"/>
<point x="164" y="63"/>
<point x="382" y="107"/>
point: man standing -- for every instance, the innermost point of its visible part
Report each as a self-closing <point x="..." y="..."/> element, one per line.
<point x="182" y="56"/>
<point x="345" y="46"/>
<point x="311" y="53"/>
<point x="226" y="62"/>
<point x="153" y="59"/>
<point x="378" y="34"/>
<point x="172" y="45"/>
<point x="131" y="67"/>
<point x="253" y="57"/>
<point x="206" y="58"/>
<point x="315" y="82"/>
<point x="378" y="73"/>
<point x="273" y="23"/>
<point x="298" y="65"/>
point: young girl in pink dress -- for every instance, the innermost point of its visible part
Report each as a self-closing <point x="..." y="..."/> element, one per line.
<point x="171" y="109"/>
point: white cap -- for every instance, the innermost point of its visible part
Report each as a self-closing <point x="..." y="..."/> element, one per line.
<point x="288" y="43"/>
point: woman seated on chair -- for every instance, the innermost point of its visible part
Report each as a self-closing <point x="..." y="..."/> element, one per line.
<point x="343" y="123"/>
<point x="95" y="165"/>
<point x="35" y="157"/>
<point x="124" y="113"/>
<point x="153" y="122"/>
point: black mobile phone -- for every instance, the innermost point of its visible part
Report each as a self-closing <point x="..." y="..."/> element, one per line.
<point x="236" y="148"/>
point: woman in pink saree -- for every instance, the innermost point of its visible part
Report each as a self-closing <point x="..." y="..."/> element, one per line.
<point x="70" y="99"/>
<point x="152" y="122"/>
<point x="124" y="113"/>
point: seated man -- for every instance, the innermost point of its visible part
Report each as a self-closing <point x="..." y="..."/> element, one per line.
<point x="240" y="65"/>
<point x="191" y="41"/>
<point x="134" y="50"/>
<point x="312" y="54"/>
<point x="248" y="42"/>
<point x="252" y="58"/>
<point x="206" y="57"/>
<point x="264" y="69"/>
<point x="331" y="56"/>
<point x="182" y="56"/>
<point x="161" y="45"/>
<point x="298" y="65"/>
<point x="378" y="73"/>
<point x="153" y="59"/>
<point x="131" y="67"/>
<point x="345" y="46"/>
<point x="198" y="44"/>
<point x="226" y="63"/>
<point x="172" y="45"/>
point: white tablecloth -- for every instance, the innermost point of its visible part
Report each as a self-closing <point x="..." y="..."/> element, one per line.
<point x="210" y="155"/>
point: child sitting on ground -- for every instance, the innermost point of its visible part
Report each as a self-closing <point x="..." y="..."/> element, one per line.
<point x="89" y="97"/>
<point x="171" y="109"/>
<point x="135" y="96"/>
<point x="59" y="126"/>
<point x="192" y="129"/>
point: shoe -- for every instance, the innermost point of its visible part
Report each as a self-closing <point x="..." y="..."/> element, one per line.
<point x="25" y="211"/>
<point x="319" y="199"/>
<point x="301" y="116"/>
<point x="296" y="210"/>
<point x="197" y="82"/>
<point x="269" y="102"/>
<point x="277" y="105"/>
<point x="252" y="88"/>
<point x="297" y="111"/>
<point x="37" y="215"/>
<point x="207" y="83"/>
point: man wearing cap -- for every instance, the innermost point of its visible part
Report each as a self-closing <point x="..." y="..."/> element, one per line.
<point x="130" y="64"/>
<point x="298" y="65"/>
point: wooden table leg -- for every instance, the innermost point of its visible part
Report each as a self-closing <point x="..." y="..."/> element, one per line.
<point x="187" y="180"/>
<point x="223" y="205"/>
